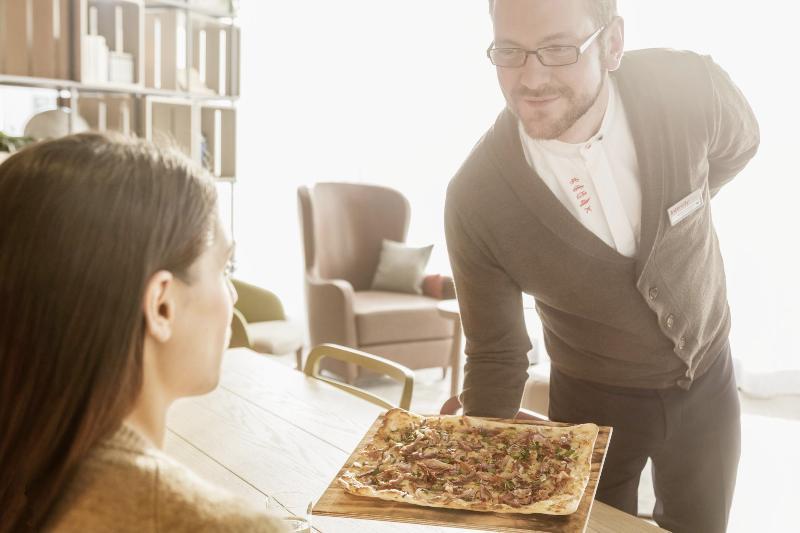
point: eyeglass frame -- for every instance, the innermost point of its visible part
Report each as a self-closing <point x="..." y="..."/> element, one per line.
<point x="580" y="50"/>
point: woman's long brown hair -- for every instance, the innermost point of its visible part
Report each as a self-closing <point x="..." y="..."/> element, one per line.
<point x="85" y="220"/>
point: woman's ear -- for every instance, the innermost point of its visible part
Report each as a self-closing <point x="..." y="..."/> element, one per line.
<point x="159" y="306"/>
<point x="615" y="43"/>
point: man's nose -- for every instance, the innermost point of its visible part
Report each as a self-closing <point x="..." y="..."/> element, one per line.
<point x="534" y="74"/>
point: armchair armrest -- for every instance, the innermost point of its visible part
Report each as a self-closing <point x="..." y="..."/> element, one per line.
<point x="257" y="304"/>
<point x="330" y="311"/>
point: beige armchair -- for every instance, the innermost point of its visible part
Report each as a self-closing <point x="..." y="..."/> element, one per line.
<point x="343" y="227"/>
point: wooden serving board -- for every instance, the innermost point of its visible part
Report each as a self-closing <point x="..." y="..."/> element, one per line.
<point x="336" y="502"/>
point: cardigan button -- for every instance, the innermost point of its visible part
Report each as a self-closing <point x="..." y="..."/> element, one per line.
<point x="681" y="343"/>
<point x="670" y="321"/>
<point x="684" y="383"/>
<point x="653" y="293"/>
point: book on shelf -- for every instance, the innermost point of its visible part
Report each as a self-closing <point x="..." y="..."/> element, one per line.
<point x="34" y="38"/>
<point x="49" y="39"/>
<point x="15" y="44"/>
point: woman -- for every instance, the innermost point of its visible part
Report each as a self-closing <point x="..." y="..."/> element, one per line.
<point x="114" y="301"/>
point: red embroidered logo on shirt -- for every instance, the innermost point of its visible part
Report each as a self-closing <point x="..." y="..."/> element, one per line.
<point x="584" y="200"/>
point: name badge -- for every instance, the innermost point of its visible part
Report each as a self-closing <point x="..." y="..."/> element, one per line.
<point x="686" y="207"/>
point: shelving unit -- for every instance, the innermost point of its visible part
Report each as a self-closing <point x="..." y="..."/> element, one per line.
<point x="165" y="70"/>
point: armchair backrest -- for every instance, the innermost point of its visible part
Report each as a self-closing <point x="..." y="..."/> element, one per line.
<point x="343" y="226"/>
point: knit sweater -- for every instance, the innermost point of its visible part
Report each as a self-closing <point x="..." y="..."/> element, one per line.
<point x="128" y="485"/>
<point x="656" y="320"/>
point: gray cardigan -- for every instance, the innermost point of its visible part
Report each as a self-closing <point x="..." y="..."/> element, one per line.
<point x="653" y="321"/>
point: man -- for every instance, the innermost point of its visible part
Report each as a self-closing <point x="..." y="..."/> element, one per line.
<point x="591" y="192"/>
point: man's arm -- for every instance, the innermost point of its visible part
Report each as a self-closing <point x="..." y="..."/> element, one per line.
<point x="734" y="129"/>
<point x="490" y="304"/>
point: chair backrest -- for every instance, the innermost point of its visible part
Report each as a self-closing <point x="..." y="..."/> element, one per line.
<point x="368" y="361"/>
<point x="343" y="226"/>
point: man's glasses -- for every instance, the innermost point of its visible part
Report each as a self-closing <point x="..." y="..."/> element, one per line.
<point x="549" y="56"/>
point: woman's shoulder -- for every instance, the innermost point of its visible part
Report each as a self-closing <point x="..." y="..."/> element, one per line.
<point x="125" y="484"/>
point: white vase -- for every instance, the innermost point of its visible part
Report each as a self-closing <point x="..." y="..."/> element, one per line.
<point x="54" y="123"/>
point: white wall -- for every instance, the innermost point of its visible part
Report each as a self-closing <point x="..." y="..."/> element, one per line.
<point x="351" y="90"/>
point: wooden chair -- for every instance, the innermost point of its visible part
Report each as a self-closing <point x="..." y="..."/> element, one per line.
<point x="453" y="405"/>
<point x="366" y="361"/>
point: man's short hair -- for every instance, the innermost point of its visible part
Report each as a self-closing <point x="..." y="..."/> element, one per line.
<point x="601" y="11"/>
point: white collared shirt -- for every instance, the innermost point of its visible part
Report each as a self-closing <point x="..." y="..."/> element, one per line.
<point x="597" y="180"/>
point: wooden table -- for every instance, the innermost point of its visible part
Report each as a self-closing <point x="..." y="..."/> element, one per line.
<point x="270" y="430"/>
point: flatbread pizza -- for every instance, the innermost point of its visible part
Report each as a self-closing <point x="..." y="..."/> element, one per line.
<point x="461" y="462"/>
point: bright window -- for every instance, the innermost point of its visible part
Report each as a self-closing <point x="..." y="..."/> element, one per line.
<point x="397" y="93"/>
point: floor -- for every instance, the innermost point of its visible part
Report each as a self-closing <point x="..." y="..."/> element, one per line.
<point x="769" y="468"/>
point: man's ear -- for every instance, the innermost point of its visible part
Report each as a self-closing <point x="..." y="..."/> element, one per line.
<point x="615" y="43"/>
<point x="159" y="306"/>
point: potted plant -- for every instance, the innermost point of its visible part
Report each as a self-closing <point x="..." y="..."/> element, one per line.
<point x="10" y="144"/>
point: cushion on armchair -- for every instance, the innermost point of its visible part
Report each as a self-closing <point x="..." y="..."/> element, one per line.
<point x="401" y="268"/>
<point x="275" y="336"/>
<point x="439" y="287"/>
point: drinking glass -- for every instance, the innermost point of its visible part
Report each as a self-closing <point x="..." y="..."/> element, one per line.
<point x="297" y="523"/>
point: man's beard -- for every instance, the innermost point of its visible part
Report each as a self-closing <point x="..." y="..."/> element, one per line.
<point x="539" y="127"/>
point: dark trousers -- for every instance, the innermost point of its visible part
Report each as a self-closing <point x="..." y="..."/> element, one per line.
<point x="693" y="438"/>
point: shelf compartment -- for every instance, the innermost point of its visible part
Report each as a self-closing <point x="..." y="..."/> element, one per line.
<point x="166" y="55"/>
<point x="214" y="54"/>
<point x="109" y="42"/>
<point x="218" y="140"/>
<point x="35" y="45"/>
<point x="172" y="121"/>
<point x="18" y="105"/>
<point x="108" y="112"/>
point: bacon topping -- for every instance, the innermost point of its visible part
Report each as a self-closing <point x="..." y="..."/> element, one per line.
<point x="436" y="464"/>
